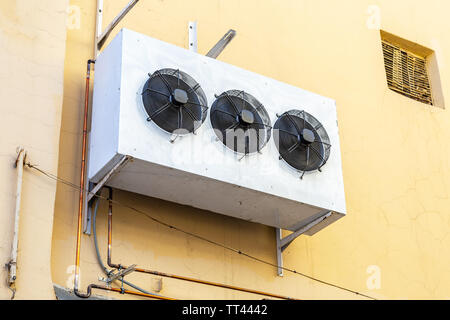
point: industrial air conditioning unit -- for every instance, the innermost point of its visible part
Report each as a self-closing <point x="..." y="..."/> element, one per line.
<point x="210" y="135"/>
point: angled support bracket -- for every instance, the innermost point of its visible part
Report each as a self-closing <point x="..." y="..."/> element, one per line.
<point x="218" y="47"/>
<point x="283" y="243"/>
<point x="101" y="39"/>
<point x="221" y="44"/>
<point x="93" y="191"/>
<point x="119" y="165"/>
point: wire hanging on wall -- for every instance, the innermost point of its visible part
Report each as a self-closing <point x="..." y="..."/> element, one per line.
<point x="149" y="216"/>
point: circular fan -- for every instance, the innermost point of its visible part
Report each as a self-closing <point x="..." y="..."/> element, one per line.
<point x="240" y="121"/>
<point x="301" y="140"/>
<point x="174" y="101"/>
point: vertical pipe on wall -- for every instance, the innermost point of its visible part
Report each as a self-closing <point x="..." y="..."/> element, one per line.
<point x="82" y="178"/>
<point x="110" y="230"/>
<point x="12" y="264"/>
<point x="86" y="186"/>
<point x="83" y="184"/>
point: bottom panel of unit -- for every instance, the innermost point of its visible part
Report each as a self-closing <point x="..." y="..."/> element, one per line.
<point x="216" y="196"/>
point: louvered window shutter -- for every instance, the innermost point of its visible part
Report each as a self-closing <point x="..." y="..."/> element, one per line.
<point x="407" y="73"/>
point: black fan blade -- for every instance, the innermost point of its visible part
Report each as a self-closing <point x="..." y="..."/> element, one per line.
<point x="157" y="112"/>
<point x="295" y="146"/>
<point x="162" y="77"/>
<point x="156" y="91"/>
<point x="180" y="118"/>
<point x="232" y="103"/>
<point x="230" y="114"/>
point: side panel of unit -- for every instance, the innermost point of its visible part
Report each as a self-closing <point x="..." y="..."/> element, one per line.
<point x="104" y="134"/>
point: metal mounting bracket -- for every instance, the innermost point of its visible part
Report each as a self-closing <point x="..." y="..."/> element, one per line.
<point x="119" y="165"/>
<point x="283" y="243"/>
<point x="218" y="47"/>
<point x="221" y="44"/>
<point x="121" y="273"/>
<point x="192" y="36"/>
<point x="93" y="190"/>
<point x="101" y="39"/>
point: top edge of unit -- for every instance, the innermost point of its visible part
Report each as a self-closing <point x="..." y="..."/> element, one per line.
<point x="125" y="33"/>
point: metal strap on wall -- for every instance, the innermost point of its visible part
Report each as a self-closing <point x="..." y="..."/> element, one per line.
<point x="12" y="264"/>
<point x="192" y="34"/>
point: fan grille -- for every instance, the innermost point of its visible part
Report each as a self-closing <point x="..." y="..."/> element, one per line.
<point x="174" y="101"/>
<point x="240" y="121"/>
<point x="301" y="140"/>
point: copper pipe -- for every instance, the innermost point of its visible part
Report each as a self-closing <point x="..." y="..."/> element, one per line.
<point x="209" y="283"/>
<point x="167" y="275"/>
<point x="80" y="209"/>
<point x="110" y="230"/>
<point x="124" y="291"/>
<point x="82" y="175"/>
<point x="136" y="293"/>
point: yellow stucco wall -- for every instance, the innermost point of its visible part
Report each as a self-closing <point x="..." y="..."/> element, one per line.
<point x="395" y="154"/>
<point x="32" y="47"/>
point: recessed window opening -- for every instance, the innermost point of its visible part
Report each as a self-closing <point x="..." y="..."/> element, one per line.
<point x="411" y="70"/>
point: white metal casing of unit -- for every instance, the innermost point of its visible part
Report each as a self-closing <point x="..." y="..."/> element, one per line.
<point x="198" y="170"/>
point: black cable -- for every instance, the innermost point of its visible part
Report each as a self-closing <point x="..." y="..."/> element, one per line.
<point x="52" y="176"/>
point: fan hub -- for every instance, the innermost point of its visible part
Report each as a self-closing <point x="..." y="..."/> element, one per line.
<point x="179" y="97"/>
<point x="307" y="136"/>
<point x="246" y="117"/>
